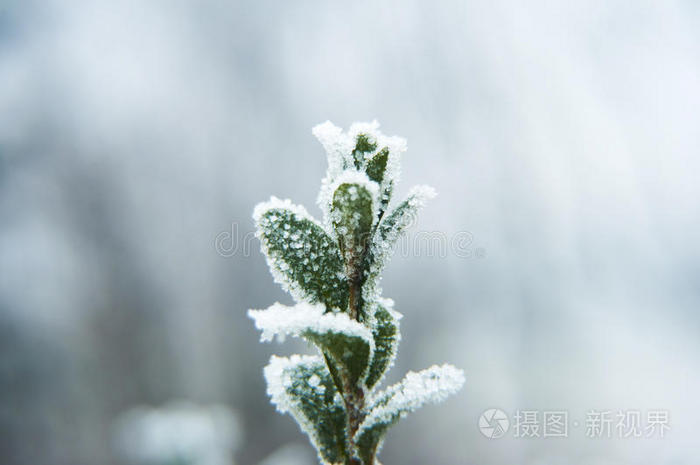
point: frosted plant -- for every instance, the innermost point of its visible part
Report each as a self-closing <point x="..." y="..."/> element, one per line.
<point x="331" y="268"/>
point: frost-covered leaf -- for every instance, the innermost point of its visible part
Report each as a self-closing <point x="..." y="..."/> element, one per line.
<point x="348" y="343"/>
<point x="376" y="170"/>
<point x="379" y="156"/>
<point x="301" y="255"/>
<point x="396" y="223"/>
<point x="302" y="386"/>
<point x="433" y="385"/>
<point x="362" y="148"/>
<point x="385" y="331"/>
<point x="365" y="140"/>
<point x="376" y="166"/>
<point x="404" y="215"/>
<point x="388" y="232"/>
<point x="338" y="146"/>
<point x="365" y="144"/>
<point x="353" y="213"/>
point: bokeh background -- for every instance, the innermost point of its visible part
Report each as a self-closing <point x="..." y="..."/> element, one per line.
<point x="562" y="137"/>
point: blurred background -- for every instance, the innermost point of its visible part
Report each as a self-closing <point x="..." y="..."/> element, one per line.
<point x="136" y="138"/>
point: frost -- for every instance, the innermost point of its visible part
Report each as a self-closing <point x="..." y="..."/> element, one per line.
<point x="338" y="147"/>
<point x="319" y="412"/>
<point x="384" y="322"/>
<point x="371" y="129"/>
<point x="288" y="249"/>
<point x="419" y="195"/>
<point x="274" y="203"/>
<point x="280" y="320"/>
<point x="431" y="385"/>
<point x="365" y="149"/>
<point x="347" y="342"/>
<point x="349" y="177"/>
<point x="390" y="230"/>
<point x="332" y="269"/>
<point x="381" y="162"/>
<point x="279" y="379"/>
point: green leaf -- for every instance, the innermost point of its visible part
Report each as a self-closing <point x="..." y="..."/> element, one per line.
<point x="376" y="166"/>
<point x="393" y="226"/>
<point x="376" y="171"/>
<point x="432" y="385"/>
<point x="405" y="214"/>
<point x="352" y="213"/>
<point x="385" y="332"/>
<point x="302" y="386"/>
<point x="301" y="255"/>
<point x="346" y="342"/>
<point x="364" y="145"/>
<point x="350" y="353"/>
<point x="370" y="441"/>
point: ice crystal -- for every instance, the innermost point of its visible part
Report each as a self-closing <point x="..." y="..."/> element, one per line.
<point x="320" y="413"/>
<point x="349" y="343"/>
<point x="432" y="385"/>
<point x="331" y="268"/>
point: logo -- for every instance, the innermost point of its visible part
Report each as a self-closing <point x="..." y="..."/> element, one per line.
<point x="494" y="423"/>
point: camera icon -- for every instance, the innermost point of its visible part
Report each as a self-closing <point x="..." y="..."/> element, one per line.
<point x="494" y="423"/>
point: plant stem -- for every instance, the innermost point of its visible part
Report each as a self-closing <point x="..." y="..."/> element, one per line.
<point x="354" y="394"/>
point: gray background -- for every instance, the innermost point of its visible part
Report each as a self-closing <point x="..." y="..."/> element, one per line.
<point x="562" y="136"/>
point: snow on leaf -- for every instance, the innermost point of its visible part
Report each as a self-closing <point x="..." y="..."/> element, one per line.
<point x="376" y="166"/>
<point x="379" y="156"/>
<point x="338" y="147"/>
<point x="302" y="257"/>
<point x="362" y="148"/>
<point x="395" y="224"/>
<point x="365" y="144"/>
<point x="385" y="331"/>
<point x="376" y="170"/>
<point x="302" y="386"/>
<point x="353" y="213"/>
<point x="404" y="215"/>
<point x="432" y="385"/>
<point x="366" y="133"/>
<point x="348" y="343"/>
